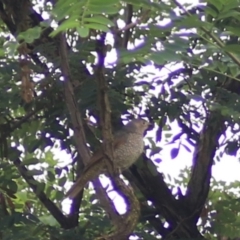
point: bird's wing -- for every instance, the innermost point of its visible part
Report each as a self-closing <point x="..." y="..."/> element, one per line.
<point x="94" y="168"/>
<point x="119" y="139"/>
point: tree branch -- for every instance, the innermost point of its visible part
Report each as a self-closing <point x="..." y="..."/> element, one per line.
<point x="124" y="226"/>
<point x="199" y="182"/>
<point x="79" y="135"/>
<point x="150" y="182"/>
<point x="128" y="20"/>
<point x="138" y="21"/>
<point x="51" y="207"/>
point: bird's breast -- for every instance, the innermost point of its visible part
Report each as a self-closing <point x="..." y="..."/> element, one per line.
<point x="126" y="154"/>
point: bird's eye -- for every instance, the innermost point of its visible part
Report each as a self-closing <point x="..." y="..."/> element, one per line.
<point x="145" y="122"/>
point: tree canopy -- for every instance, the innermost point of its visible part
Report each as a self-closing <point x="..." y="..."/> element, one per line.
<point x="72" y="71"/>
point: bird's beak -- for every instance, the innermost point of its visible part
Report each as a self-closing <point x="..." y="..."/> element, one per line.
<point x="150" y="126"/>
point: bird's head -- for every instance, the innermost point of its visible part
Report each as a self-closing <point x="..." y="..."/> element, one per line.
<point x="138" y="125"/>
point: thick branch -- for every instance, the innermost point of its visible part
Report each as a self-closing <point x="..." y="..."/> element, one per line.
<point x="151" y="184"/>
<point x="199" y="182"/>
<point x="79" y="135"/>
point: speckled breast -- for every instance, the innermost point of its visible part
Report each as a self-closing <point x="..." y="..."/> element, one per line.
<point x="129" y="152"/>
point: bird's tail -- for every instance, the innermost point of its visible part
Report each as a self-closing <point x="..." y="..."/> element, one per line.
<point x="89" y="174"/>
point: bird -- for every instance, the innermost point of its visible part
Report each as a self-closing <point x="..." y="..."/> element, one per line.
<point x="128" y="145"/>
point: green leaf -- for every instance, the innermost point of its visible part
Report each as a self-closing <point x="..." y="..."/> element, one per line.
<point x="12" y="185"/>
<point x="34" y="172"/>
<point x="30" y="35"/>
<point x="38" y="230"/>
<point x="233" y="30"/>
<point x="62" y="181"/>
<point x="100" y="20"/>
<point x="48" y="220"/>
<point x="51" y="176"/>
<point x="228" y="14"/>
<point x="216" y="3"/>
<point x="11" y="47"/>
<point x="234" y="71"/>
<point x="211" y="11"/>
<point x="193" y="22"/>
<point x="100" y="9"/>
<point x="2" y="52"/>
<point x="19" y="206"/>
<point x="14" y="154"/>
<point x="4" y="164"/>
<point x="222" y="67"/>
<point x="66" y="8"/>
<point x="33" y="145"/>
<point x="230" y="4"/>
<point x="83" y="31"/>
<point x="22" y="196"/>
<point x="96" y="26"/>
<point x="234" y="48"/>
<point x="49" y="159"/>
<point x="66" y="25"/>
<point x="164" y="56"/>
<point x="103" y="2"/>
<point x="58" y="195"/>
<point x="138" y="2"/>
<point x="49" y="191"/>
<point x="29" y="161"/>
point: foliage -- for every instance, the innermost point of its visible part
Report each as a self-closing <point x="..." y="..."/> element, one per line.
<point x="172" y="62"/>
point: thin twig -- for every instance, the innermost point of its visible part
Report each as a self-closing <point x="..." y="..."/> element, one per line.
<point x="103" y="102"/>
<point x="128" y="20"/>
<point x="134" y="24"/>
